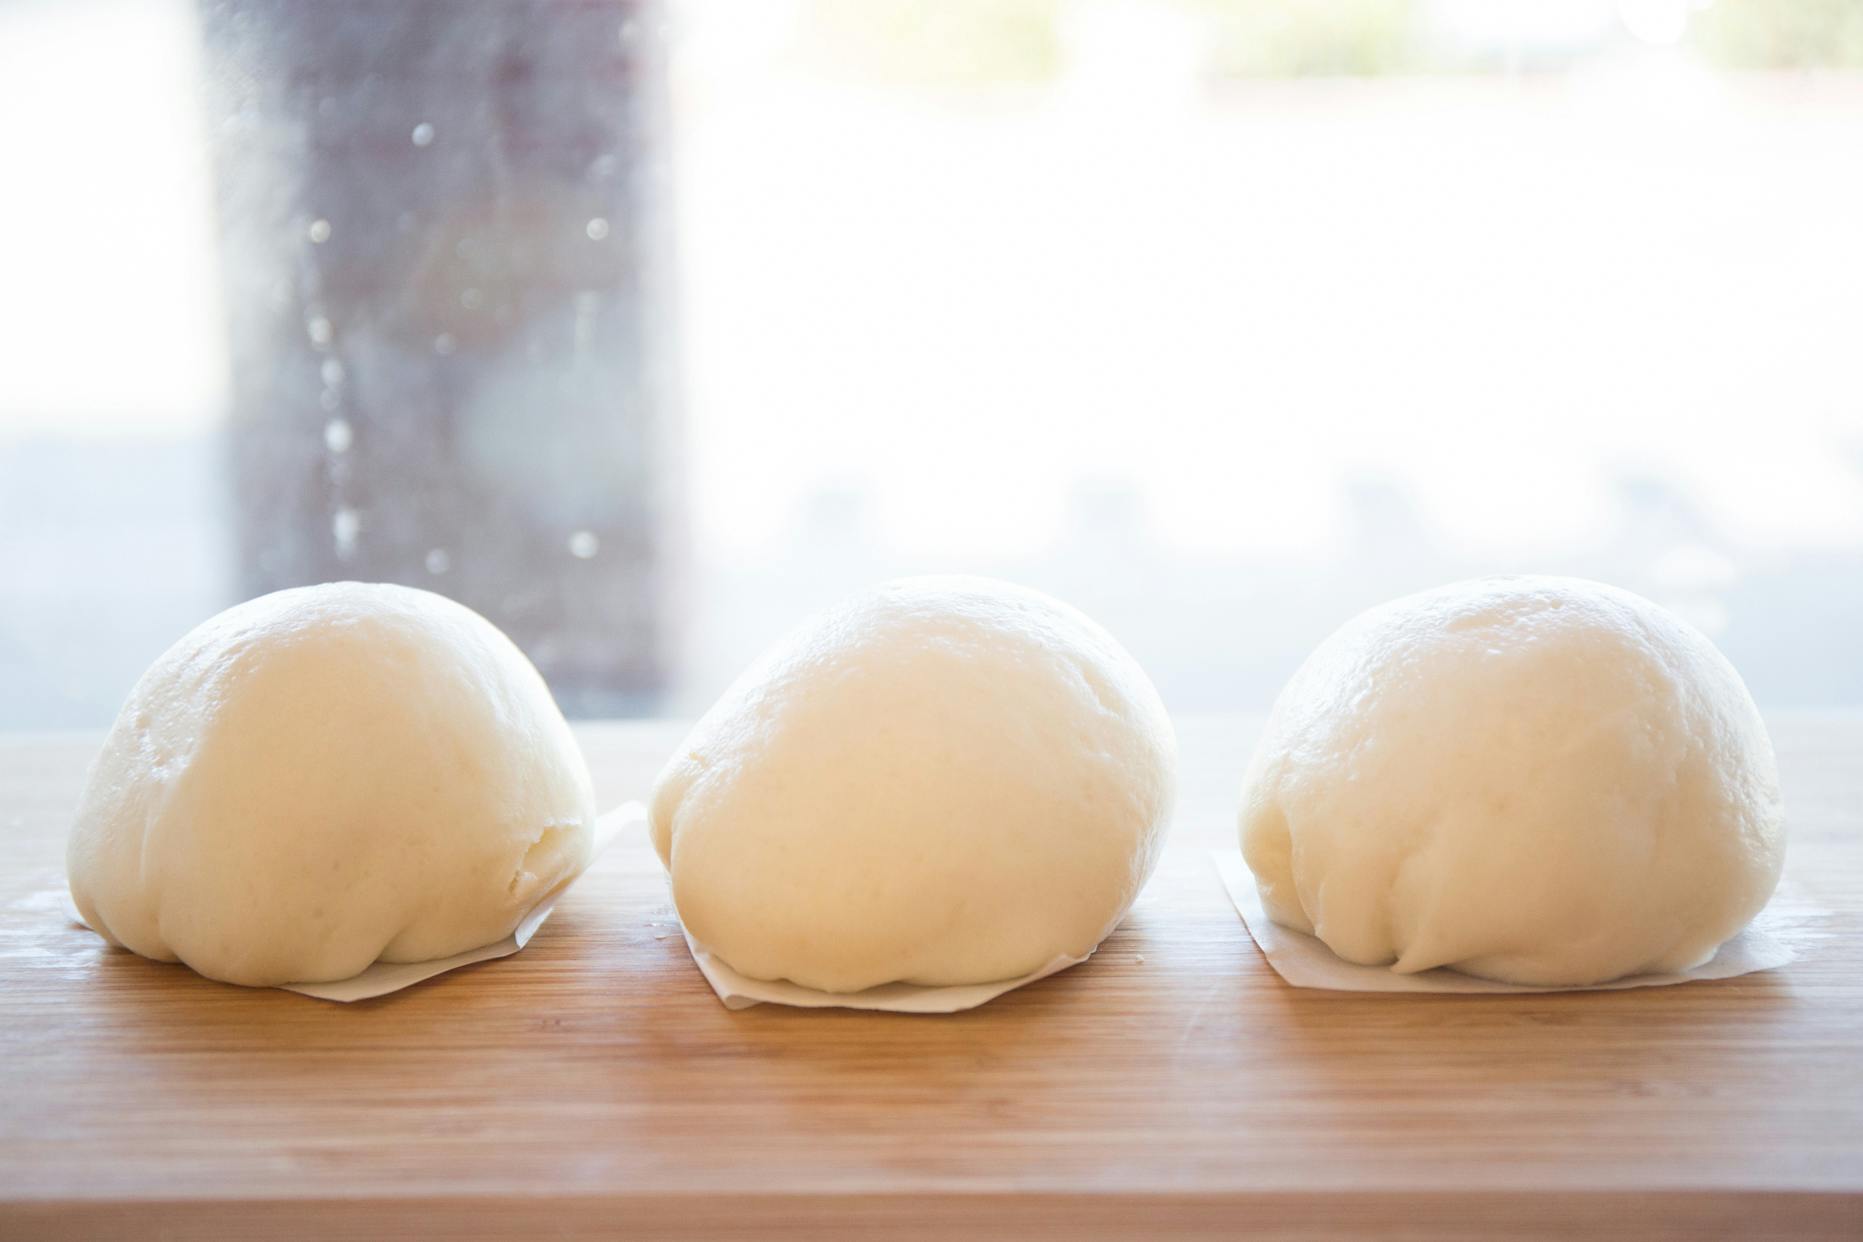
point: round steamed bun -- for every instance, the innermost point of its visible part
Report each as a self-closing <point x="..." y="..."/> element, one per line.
<point x="940" y="781"/>
<point x="324" y="777"/>
<point x="1538" y="780"/>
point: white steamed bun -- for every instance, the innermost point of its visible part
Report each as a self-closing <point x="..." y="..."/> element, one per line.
<point x="1537" y="780"/>
<point x="324" y="777"/>
<point x="940" y="781"/>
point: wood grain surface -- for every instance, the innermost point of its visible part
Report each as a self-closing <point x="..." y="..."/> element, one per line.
<point x="592" y="1086"/>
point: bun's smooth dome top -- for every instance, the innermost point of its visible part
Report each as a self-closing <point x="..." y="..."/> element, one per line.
<point x="1538" y="780"/>
<point x="324" y="777"/>
<point x="940" y="781"/>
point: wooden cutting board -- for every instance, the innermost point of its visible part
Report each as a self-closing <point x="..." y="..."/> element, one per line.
<point x="592" y="1085"/>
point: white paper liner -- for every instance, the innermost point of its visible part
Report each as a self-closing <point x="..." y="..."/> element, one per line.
<point x="385" y="977"/>
<point x="739" y="992"/>
<point x="1781" y="931"/>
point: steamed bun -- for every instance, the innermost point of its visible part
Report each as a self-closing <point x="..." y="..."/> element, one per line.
<point x="1537" y="780"/>
<point x="940" y="781"/>
<point x="324" y="777"/>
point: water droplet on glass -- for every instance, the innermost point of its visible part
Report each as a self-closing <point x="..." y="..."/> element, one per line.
<point x="630" y="30"/>
<point x="332" y="372"/>
<point x="597" y="229"/>
<point x="345" y="524"/>
<point x="472" y="299"/>
<point x="438" y="562"/>
<point x="583" y="544"/>
<point x="422" y="135"/>
<point x="338" y="436"/>
<point x="319" y="232"/>
<point x="444" y="344"/>
<point x="587" y="303"/>
<point x="319" y="329"/>
<point x="602" y="167"/>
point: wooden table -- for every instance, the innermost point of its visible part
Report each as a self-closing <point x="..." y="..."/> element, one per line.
<point x="592" y="1085"/>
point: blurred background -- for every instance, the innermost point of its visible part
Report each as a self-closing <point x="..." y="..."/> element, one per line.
<point x="646" y="329"/>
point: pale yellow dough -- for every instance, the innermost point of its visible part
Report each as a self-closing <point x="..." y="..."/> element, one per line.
<point x="941" y="781"/>
<point x="1538" y="780"/>
<point x="324" y="777"/>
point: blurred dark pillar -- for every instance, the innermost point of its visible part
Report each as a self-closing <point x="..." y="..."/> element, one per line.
<point x="438" y="240"/>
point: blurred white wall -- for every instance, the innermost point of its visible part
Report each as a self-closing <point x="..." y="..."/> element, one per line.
<point x="1221" y="358"/>
<point x="113" y="536"/>
<point x="1225" y="361"/>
